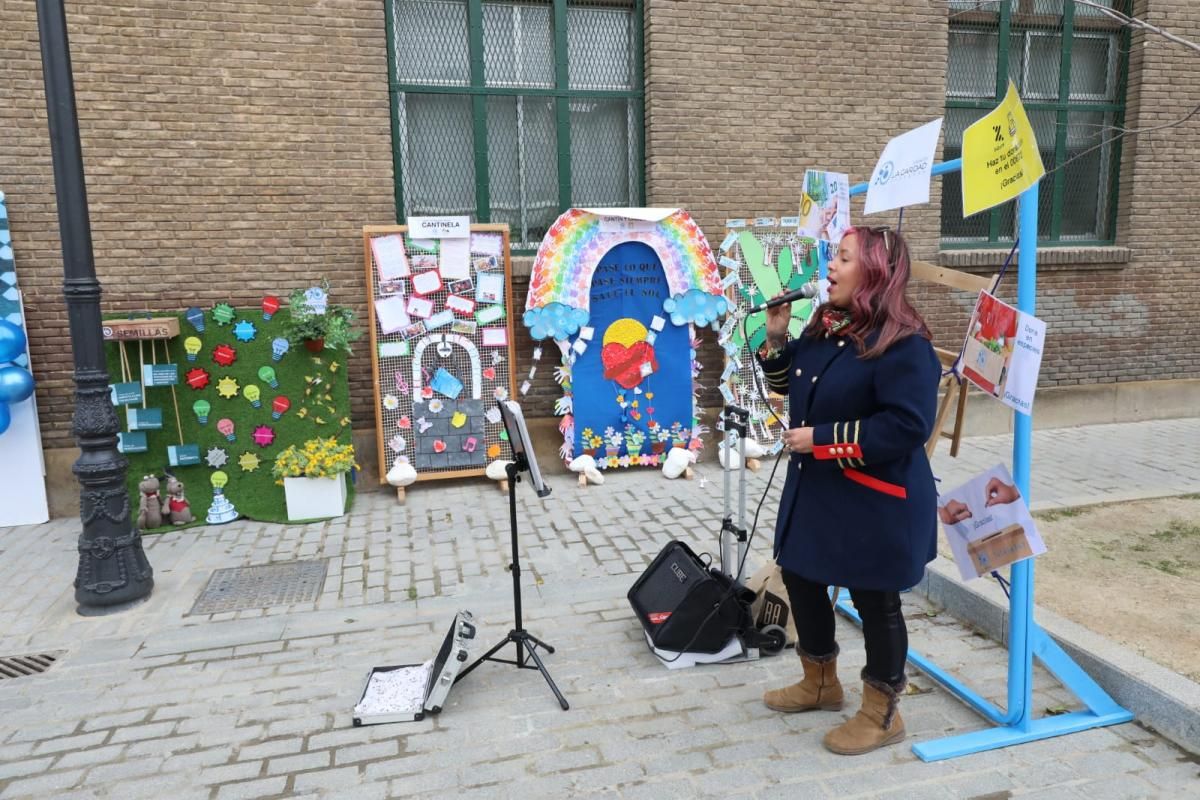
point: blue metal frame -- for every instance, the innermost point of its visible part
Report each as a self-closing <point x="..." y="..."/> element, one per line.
<point x="1016" y="724"/>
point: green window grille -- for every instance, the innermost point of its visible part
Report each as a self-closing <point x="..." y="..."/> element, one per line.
<point x="515" y="111"/>
<point x="1069" y="64"/>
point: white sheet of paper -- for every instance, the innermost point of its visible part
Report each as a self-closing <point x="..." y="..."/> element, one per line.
<point x="489" y="287"/>
<point x="439" y="320"/>
<point x="492" y="415"/>
<point x="390" y="257"/>
<point x="393" y="349"/>
<point x="455" y="259"/>
<point x="419" y="307"/>
<point x="460" y="305"/>
<point x="586" y="333"/>
<point x="901" y="176"/>
<point x="494" y="337"/>
<point x="487" y="244"/>
<point x="391" y="314"/>
<point x="439" y="227"/>
<point x="427" y="282"/>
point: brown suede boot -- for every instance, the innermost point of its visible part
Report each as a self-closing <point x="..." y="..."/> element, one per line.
<point x="820" y="688"/>
<point x="876" y="724"/>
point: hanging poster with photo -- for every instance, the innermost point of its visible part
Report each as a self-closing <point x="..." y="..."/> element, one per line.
<point x="988" y="524"/>
<point x="1002" y="354"/>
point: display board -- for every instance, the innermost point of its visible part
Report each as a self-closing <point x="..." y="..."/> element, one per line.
<point x="441" y="347"/>
<point x="22" y="470"/>
<point x="622" y="293"/>
<point x="759" y="258"/>
<point x="226" y="394"/>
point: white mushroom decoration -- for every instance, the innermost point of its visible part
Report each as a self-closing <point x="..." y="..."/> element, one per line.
<point x="400" y="475"/>
<point x="497" y="471"/>
<point x="678" y="462"/>
<point x="585" y="467"/>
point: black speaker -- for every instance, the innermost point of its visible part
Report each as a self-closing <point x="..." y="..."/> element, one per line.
<point x="686" y="606"/>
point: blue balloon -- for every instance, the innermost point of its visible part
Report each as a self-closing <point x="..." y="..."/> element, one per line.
<point x="16" y="385"/>
<point x="12" y="341"/>
<point x="5" y="417"/>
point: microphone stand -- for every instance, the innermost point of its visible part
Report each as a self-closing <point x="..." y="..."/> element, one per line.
<point x="526" y="642"/>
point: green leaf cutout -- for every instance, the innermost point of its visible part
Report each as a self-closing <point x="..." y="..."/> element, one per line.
<point x="765" y="278"/>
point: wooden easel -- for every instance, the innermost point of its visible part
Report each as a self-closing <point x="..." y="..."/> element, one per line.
<point x="953" y="387"/>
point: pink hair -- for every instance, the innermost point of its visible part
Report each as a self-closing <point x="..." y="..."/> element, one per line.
<point x="879" y="303"/>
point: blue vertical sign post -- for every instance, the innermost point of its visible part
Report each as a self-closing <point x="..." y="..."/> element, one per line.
<point x="1016" y="724"/>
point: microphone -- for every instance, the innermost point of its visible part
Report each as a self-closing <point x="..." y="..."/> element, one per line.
<point x="805" y="292"/>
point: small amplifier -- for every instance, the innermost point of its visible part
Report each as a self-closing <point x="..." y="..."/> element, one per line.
<point x="686" y="606"/>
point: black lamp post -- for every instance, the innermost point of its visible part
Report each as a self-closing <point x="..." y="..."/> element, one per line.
<point x="112" y="566"/>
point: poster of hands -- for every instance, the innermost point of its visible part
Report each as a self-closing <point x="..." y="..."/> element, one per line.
<point x="988" y="524"/>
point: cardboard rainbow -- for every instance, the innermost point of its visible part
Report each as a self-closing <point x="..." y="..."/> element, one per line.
<point x="621" y="291"/>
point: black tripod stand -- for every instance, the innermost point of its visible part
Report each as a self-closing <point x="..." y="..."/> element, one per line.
<point x="526" y="642"/>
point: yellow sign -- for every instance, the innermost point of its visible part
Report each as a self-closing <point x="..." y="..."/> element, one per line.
<point x="1000" y="157"/>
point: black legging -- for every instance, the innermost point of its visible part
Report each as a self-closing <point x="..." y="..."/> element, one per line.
<point x="883" y="625"/>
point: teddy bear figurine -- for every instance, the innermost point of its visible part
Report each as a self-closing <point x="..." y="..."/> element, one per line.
<point x="150" y="504"/>
<point x="178" y="510"/>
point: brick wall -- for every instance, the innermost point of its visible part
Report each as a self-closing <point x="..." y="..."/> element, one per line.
<point x="231" y="150"/>
<point x="235" y="149"/>
<point x="740" y="103"/>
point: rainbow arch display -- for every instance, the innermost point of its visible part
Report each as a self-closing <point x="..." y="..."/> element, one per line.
<point x="560" y="287"/>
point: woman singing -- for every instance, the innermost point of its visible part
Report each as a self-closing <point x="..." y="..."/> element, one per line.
<point x="859" y="505"/>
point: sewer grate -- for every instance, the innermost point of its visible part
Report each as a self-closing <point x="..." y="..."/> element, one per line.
<point x="240" y="588"/>
<point x="23" y="666"/>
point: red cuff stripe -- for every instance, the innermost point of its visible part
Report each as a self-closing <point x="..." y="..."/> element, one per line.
<point x="876" y="484"/>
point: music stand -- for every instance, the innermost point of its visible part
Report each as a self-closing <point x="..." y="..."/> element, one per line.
<point x="523" y="460"/>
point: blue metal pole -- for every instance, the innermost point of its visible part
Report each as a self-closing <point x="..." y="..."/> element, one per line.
<point x="1020" y="650"/>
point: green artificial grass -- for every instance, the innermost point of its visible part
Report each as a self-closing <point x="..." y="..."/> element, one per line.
<point x="253" y="493"/>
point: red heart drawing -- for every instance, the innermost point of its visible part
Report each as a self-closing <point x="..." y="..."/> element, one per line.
<point x="624" y="364"/>
<point x="439" y="446"/>
<point x="404" y="422"/>
<point x="489" y="373"/>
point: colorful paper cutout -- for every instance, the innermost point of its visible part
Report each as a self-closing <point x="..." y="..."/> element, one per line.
<point x="445" y="383"/>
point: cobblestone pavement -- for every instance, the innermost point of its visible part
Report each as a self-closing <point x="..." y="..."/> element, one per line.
<point x="155" y="703"/>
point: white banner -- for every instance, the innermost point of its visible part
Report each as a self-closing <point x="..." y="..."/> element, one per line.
<point x="901" y="176"/>
<point x="439" y="227"/>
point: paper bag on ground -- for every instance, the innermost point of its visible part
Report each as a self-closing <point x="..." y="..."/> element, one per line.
<point x="771" y="606"/>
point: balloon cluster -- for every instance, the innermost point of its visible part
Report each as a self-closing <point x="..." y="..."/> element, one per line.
<point x="16" y="384"/>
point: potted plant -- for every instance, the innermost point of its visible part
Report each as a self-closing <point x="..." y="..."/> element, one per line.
<point x="634" y="439"/>
<point x="660" y="438"/>
<point x="613" y="439"/>
<point x="314" y="478"/>
<point x="321" y="326"/>
<point x="590" y="441"/>
<point x="679" y="435"/>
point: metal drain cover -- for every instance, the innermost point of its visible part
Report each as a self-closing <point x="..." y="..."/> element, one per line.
<point x="22" y="666"/>
<point x="240" y="588"/>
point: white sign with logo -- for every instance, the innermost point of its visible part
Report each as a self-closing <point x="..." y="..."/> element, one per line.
<point x="901" y="176"/>
<point x="439" y="227"/>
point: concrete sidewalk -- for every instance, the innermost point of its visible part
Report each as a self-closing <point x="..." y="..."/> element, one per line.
<point x="256" y="703"/>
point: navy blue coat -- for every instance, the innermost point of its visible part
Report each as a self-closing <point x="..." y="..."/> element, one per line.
<point x="860" y="511"/>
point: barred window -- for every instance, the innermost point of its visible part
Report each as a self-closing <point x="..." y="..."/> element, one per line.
<point x="1069" y="64"/>
<point x="515" y="111"/>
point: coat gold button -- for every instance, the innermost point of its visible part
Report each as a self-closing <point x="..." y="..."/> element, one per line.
<point x="798" y="372"/>
<point x="841" y="450"/>
<point x="814" y="380"/>
<point x="841" y="343"/>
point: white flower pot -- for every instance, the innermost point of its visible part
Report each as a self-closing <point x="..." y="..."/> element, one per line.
<point x="315" y="498"/>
